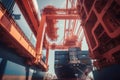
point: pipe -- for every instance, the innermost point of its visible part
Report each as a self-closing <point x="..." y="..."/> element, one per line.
<point x="36" y="9"/>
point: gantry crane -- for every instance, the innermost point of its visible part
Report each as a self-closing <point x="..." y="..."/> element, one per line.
<point x="42" y="29"/>
<point x="73" y="33"/>
<point x="100" y="25"/>
<point x="99" y="19"/>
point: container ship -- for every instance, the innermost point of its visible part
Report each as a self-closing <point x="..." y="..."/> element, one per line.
<point x="72" y="64"/>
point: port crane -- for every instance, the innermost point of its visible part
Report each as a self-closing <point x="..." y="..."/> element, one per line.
<point x="43" y="29"/>
<point x="50" y="16"/>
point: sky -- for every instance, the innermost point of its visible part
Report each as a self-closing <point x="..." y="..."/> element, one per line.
<point x="57" y="4"/>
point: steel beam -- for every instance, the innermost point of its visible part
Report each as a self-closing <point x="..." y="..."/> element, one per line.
<point x="63" y="16"/>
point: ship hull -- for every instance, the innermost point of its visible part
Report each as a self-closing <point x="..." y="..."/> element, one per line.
<point x="68" y="72"/>
<point x="111" y="72"/>
<point x="71" y="66"/>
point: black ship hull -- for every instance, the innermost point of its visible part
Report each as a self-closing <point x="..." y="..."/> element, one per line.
<point x="70" y="71"/>
<point x="111" y="72"/>
<point x="71" y="65"/>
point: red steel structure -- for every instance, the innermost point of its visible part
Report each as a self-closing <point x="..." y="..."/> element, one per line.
<point x="100" y="20"/>
<point x="101" y="24"/>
